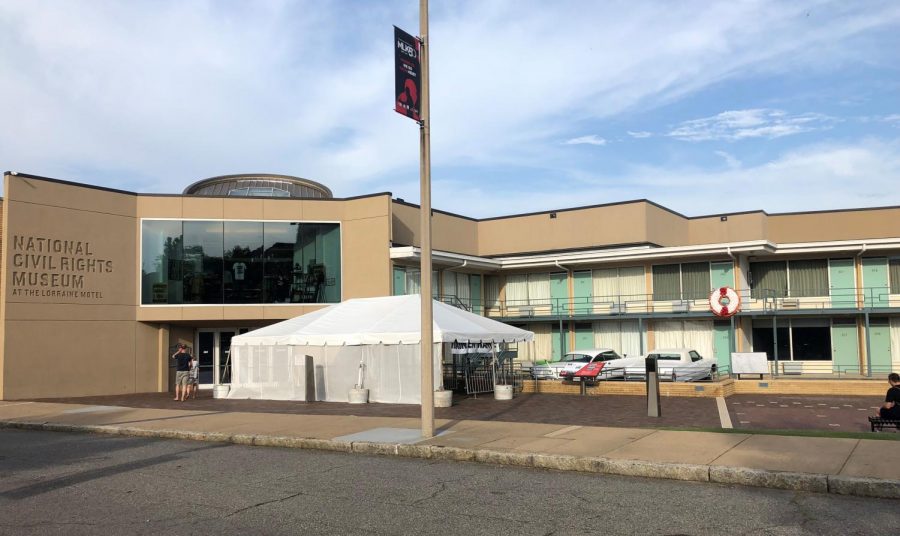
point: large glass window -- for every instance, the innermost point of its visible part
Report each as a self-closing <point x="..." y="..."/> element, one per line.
<point x="695" y="280"/>
<point x="894" y="269"/>
<point x="202" y="261"/>
<point x="213" y="262"/>
<point x="161" y="255"/>
<point x="243" y="270"/>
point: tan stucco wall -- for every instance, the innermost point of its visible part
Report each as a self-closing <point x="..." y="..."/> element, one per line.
<point x="570" y="229"/>
<point x="636" y="222"/>
<point x="838" y="225"/>
<point x="84" y="341"/>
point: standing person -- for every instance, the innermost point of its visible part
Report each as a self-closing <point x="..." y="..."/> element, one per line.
<point x="182" y="372"/>
<point x="891" y="407"/>
<point x="194" y="376"/>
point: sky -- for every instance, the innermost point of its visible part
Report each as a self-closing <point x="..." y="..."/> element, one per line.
<point x="703" y="107"/>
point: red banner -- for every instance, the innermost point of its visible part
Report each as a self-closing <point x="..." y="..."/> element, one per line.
<point x="407" y="85"/>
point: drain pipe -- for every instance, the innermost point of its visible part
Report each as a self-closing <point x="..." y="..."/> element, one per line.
<point x="865" y="314"/>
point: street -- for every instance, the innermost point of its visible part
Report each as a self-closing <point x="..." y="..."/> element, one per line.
<point x="57" y="483"/>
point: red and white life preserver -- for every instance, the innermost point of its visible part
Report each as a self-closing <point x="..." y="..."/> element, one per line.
<point x="724" y="302"/>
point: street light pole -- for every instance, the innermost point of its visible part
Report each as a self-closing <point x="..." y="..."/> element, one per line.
<point x="425" y="221"/>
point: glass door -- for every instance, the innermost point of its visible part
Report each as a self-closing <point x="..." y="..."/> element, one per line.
<point x="206" y="350"/>
<point x="224" y="356"/>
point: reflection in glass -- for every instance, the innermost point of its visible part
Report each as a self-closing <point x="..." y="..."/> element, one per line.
<point x="243" y="262"/>
<point x="161" y="255"/>
<point x="215" y="262"/>
<point x="203" y="262"/>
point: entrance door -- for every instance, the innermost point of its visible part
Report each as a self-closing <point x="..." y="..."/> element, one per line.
<point x="206" y="349"/>
<point x="582" y="290"/>
<point x="842" y="282"/>
<point x="880" y="345"/>
<point x="559" y="293"/>
<point x="845" y="346"/>
<point x="722" y="344"/>
<point x="875" y="281"/>
<point x="721" y="274"/>
<point x="214" y="354"/>
<point x="584" y="336"/>
<point x="559" y="341"/>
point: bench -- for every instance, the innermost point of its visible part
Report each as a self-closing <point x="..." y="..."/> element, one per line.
<point x="878" y="423"/>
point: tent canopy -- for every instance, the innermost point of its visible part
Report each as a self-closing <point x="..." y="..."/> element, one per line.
<point x="385" y="320"/>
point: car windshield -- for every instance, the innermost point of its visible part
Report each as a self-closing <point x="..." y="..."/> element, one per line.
<point x="574" y="358"/>
<point x="666" y="357"/>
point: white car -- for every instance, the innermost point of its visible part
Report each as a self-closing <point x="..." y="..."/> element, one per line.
<point x="676" y="364"/>
<point x="572" y="362"/>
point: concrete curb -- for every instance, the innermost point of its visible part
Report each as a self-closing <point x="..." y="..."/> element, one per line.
<point x="743" y="476"/>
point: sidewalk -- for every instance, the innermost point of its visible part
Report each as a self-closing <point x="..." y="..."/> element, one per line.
<point x="833" y="465"/>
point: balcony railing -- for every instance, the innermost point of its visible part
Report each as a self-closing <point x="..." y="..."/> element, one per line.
<point x="757" y="300"/>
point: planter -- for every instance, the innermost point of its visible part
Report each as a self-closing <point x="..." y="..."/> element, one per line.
<point x="359" y="396"/>
<point x="443" y="399"/>
<point x="503" y="392"/>
<point x="221" y="391"/>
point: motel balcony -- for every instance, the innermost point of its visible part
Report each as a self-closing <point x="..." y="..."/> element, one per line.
<point x="875" y="300"/>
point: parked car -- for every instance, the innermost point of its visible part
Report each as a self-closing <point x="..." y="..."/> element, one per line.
<point x="570" y="363"/>
<point x="676" y="364"/>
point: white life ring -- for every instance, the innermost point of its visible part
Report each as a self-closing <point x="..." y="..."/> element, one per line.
<point x="724" y="302"/>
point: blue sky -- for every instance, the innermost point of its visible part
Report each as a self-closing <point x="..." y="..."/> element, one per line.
<point x="703" y="107"/>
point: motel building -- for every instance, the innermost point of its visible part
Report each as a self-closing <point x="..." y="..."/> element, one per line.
<point x="98" y="285"/>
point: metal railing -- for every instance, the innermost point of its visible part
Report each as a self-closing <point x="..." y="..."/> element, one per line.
<point x="755" y="300"/>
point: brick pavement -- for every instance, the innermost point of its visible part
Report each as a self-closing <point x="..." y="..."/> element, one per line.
<point x="627" y="411"/>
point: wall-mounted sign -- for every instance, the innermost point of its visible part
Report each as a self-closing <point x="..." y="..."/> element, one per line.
<point x="56" y="268"/>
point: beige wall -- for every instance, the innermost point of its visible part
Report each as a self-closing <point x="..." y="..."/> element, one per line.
<point x="636" y="222"/>
<point x="68" y="313"/>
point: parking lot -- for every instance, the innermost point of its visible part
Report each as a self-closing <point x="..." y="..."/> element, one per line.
<point x="758" y="412"/>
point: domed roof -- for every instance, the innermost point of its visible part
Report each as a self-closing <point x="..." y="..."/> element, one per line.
<point x="259" y="185"/>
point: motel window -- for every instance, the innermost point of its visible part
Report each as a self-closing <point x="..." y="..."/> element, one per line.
<point x="768" y="279"/>
<point x="894" y="269"/>
<point x="689" y="281"/>
<point x="666" y="282"/>
<point x="764" y="340"/>
<point x="215" y="262"/>
<point x="799" y="339"/>
<point x="808" y="278"/>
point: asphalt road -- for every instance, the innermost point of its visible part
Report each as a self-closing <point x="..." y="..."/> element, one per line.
<point x="55" y="483"/>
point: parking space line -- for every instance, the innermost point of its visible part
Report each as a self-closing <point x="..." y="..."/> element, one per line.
<point x="724" y="418"/>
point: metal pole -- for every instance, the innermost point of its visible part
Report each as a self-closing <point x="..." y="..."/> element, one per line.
<point x="732" y="343"/>
<point x="641" y="335"/>
<point x="425" y="218"/>
<point x="775" y="342"/>
<point x="868" y="349"/>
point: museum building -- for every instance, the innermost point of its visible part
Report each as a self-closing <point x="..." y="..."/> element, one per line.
<point x="99" y="285"/>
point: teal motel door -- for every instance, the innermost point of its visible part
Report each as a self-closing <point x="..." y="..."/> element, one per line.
<point x="721" y="274"/>
<point x="560" y="341"/>
<point x="559" y="293"/>
<point x="875" y="281"/>
<point x="722" y="344"/>
<point x="842" y="276"/>
<point x="399" y="281"/>
<point x="880" y="345"/>
<point x="845" y="346"/>
<point x="584" y="336"/>
<point x="475" y="294"/>
<point x="583" y="290"/>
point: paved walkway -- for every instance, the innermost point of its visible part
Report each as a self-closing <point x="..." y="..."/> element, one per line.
<point x="838" y="465"/>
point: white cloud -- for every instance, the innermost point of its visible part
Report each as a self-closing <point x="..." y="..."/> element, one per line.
<point x="592" y="139"/>
<point x="753" y="123"/>
<point x="640" y="134"/>
<point x="730" y="160"/>
<point x="893" y="119"/>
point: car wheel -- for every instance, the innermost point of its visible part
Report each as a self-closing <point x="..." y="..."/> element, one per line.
<point x="712" y="373"/>
<point x="674" y="377"/>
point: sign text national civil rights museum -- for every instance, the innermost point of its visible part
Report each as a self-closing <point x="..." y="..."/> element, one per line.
<point x="407" y="76"/>
<point x="42" y="266"/>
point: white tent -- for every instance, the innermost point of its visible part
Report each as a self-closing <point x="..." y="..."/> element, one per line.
<point x="382" y="334"/>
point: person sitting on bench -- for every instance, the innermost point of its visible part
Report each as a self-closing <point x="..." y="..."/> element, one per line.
<point x="891" y="408"/>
